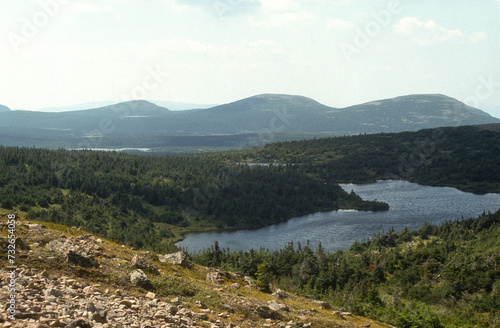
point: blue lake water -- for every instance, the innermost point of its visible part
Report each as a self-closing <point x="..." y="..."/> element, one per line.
<point x="410" y="206"/>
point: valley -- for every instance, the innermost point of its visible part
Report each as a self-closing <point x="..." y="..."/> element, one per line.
<point x="128" y="191"/>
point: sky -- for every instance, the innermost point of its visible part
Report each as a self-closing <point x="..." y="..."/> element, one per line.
<point x="338" y="52"/>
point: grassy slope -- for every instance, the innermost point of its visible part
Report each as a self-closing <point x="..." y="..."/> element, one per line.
<point x="188" y="283"/>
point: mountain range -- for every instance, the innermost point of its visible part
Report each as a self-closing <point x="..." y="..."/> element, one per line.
<point x="241" y="124"/>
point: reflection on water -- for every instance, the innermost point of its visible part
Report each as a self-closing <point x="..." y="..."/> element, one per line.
<point x="410" y="205"/>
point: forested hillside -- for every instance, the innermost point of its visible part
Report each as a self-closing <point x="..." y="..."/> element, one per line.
<point x="146" y="201"/>
<point x="436" y="276"/>
<point x="467" y="158"/>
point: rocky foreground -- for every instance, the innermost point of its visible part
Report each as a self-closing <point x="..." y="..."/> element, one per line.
<point x="65" y="278"/>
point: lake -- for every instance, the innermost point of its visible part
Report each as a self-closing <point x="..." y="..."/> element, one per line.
<point x="410" y="206"/>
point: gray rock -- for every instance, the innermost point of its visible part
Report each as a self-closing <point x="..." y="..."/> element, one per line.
<point x="100" y="315"/>
<point x="141" y="263"/>
<point x="35" y="226"/>
<point x="160" y="314"/>
<point x="51" y="299"/>
<point x="139" y="278"/>
<point x="80" y="259"/>
<point x="234" y="286"/>
<point x="179" y="258"/>
<point x="52" y="292"/>
<point x="200" y="316"/>
<point x="90" y="307"/>
<point x="59" y="246"/>
<point x="151" y="295"/>
<point x="248" y="280"/>
<point x="171" y="309"/>
<point x="85" y="238"/>
<point x="278" y="307"/>
<point x="79" y="322"/>
<point x="265" y="312"/>
<point x="280" y="294"/>
<point x="215" y="277"/>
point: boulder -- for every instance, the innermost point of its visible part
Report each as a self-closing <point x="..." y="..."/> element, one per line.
<point x="266" y="313"/>
<point x="278" y="307"/>
<point x="215" y="277"/>
<point x="179" y="258"/>
<point x="141" y="263"/>
<point x="323" y="305"/>
<point x="59" y="246"/>
<point x="139" y="278"/>
<point x="280" y="294"/>
<point x="80" y="259"/>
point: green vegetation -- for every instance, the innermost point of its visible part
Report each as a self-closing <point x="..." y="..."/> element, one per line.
<point x="151" y="201"/>
<point x="147" y="202"/>
<point x="436" y="276"/>
<point x="466" y="158"/>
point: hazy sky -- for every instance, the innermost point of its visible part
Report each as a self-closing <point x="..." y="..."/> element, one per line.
<point x="339" y="52"/>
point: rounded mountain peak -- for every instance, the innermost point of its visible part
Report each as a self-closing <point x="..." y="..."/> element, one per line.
<point x="269" y="102"/>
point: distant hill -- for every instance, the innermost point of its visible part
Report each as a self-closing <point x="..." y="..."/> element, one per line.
<point x="300" y="114"/>
<point x="134" y="108"/>
<point x="414" y="112"/>
<point x="4" y="108"/>
<point x="172" y="105"/>
<point x="245" y="123"/>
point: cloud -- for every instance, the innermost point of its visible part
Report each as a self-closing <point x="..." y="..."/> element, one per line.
<point x="430" y="32"/>
<point x="339" y="24"/>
